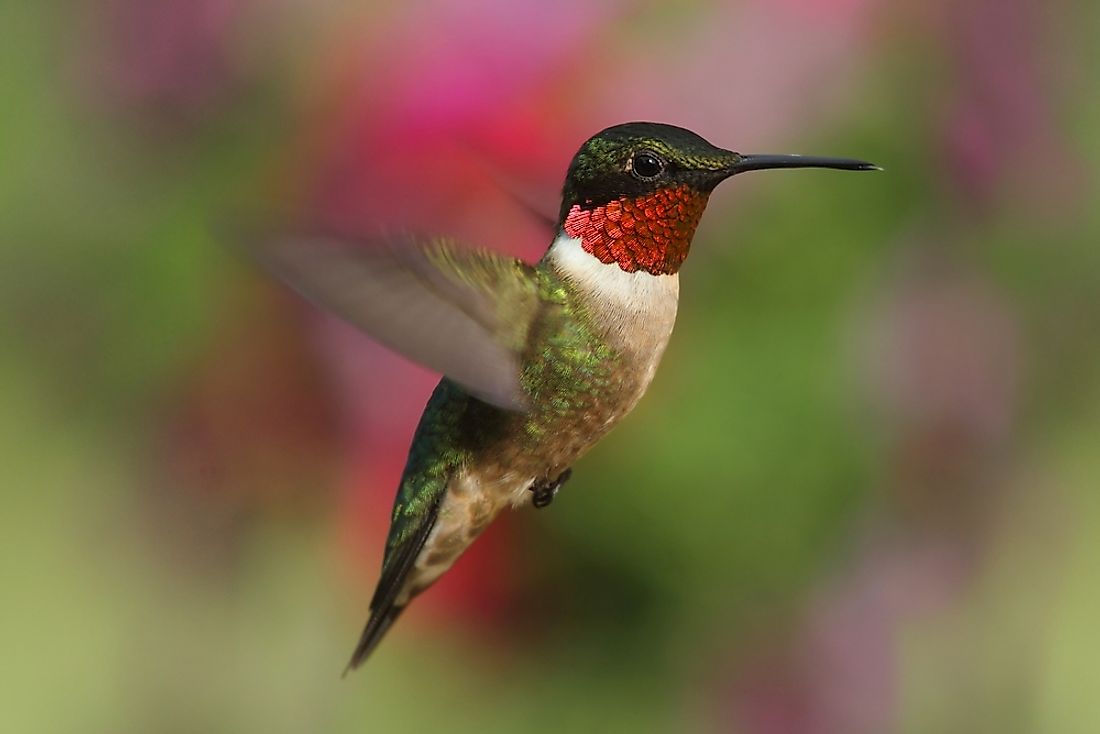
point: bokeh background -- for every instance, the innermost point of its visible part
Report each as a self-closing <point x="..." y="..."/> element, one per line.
<point x="863" y="494"/>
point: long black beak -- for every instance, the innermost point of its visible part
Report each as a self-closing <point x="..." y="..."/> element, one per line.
<point x="761" y="161"/>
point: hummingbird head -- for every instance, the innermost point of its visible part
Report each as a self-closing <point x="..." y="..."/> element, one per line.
<point x="635" y="192"/>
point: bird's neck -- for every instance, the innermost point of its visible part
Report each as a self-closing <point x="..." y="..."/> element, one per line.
<point x="632" y="311"/>
<point x="650" y="233"/>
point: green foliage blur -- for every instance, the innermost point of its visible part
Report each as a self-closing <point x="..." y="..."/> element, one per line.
<point x="861" y="496"/>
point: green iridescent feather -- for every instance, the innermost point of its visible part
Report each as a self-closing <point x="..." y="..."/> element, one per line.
<point x="564" y="368"/>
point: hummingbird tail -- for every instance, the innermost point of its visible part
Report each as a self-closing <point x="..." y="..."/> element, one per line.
<point x="379" y="622"/>
<point x="384" y="607"/>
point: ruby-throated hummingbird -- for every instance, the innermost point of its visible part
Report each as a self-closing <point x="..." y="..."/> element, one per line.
<point x="539" y="361"/>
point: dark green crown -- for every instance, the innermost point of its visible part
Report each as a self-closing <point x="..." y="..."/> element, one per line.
<point x="638" y="158"/>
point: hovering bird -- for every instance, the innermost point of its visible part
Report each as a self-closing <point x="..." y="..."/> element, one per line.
<point x="539" y="361"/>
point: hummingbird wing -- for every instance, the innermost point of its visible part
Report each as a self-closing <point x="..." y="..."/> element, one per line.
<point x="462" y="312"/>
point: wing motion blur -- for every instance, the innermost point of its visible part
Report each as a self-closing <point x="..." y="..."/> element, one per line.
<point x="464" y="313"/>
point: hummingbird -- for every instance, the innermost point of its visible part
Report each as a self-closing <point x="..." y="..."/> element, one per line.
<point x="539" y="362"/>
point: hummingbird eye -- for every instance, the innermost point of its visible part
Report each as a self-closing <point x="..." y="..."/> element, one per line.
<point x="646" y="165"/>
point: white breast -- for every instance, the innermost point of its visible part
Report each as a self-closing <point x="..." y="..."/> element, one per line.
<point x="638" y="309"/>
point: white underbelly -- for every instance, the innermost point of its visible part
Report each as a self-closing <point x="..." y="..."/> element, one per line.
<point x="470" y="502"/>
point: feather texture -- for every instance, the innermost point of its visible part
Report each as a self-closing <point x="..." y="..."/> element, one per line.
<point x="460" y="312"/>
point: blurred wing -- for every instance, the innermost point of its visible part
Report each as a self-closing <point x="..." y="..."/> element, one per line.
<point x="464" y="313"/>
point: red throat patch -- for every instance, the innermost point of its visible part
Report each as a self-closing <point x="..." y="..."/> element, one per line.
<point x="650" y="233"/>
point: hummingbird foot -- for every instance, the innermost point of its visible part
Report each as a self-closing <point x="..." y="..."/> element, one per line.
<point x="545" y="491"/>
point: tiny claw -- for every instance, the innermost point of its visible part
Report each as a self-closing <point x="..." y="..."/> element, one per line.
<point x="545" y="491"/>
<point x="543" y="496"/>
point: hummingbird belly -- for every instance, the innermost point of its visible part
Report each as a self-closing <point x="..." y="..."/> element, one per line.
<point x="584" y="372"/>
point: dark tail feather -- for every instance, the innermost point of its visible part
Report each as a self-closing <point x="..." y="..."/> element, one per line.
<point x="384" y="609"/>
<point x="379" y="622"/>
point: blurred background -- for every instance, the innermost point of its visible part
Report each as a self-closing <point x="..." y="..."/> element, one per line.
<point x="863" y="494"/>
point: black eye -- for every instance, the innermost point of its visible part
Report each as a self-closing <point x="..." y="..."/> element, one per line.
<point x="647" y="165"/>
